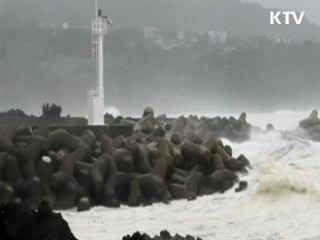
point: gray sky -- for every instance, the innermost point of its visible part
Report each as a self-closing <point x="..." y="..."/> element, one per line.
<point x="312" y="7"/>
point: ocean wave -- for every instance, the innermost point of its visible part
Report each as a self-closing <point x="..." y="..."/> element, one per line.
<point x="276" y="181"/>
<point x="282" y="200"/>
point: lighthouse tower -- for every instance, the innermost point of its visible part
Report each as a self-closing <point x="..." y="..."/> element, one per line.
<point x="99" y="27"/>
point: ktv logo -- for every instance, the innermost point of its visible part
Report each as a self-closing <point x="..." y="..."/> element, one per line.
<point x="286" y="17"/>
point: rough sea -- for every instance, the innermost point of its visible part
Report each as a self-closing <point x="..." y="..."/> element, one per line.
<point x="282" y="200"/>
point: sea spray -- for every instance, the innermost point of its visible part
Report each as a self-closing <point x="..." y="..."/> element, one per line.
<point x="281" y="202"/>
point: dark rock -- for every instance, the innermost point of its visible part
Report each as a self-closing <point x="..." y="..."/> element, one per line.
<point x="83" y="205"/>
<point x="148" y="111"/>
<point x="163" y="159"/>
<point x="242" y="186"/>
<point x="18" y="222"/>
<point x="164" y="235"/>
<point x="175" y="139"/>
<point x="222" y="180"/>
<point x="311" y="126"/>
<point x="270" y="127"/>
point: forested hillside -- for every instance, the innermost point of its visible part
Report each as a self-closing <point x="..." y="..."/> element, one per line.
<point x="240" y="73"/>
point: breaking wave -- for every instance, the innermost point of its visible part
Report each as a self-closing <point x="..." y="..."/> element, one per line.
<point x="282" y="200"/>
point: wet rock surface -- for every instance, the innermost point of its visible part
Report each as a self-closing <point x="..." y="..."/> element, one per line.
<point x="164" y="235"/>
<point x="161" y="161"/>
<point x="235" y="129"/>
<point x="311" y="126"/>
<point x="19" y="222"/>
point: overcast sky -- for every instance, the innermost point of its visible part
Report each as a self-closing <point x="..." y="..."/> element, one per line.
<point x="312" y="7"/>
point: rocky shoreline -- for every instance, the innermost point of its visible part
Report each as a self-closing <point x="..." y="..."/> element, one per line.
<point x="237" y="130"/>
<point x="19" y="222"/>
<point x="160" y="162"/>
<point x="311" y="126"/>
<point x="164" y="235"/>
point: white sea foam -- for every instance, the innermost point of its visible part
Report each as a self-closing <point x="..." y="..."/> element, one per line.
<point x="282" y="200"/>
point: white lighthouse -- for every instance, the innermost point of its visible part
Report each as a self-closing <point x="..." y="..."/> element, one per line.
<point x="99" y="27"/>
